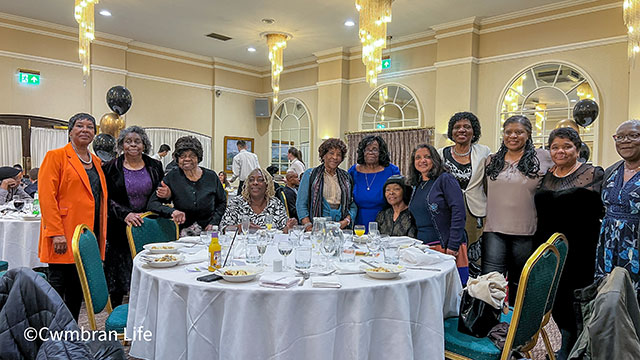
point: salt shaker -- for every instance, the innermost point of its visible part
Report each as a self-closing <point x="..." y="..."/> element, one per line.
<point x="277" y="265"/>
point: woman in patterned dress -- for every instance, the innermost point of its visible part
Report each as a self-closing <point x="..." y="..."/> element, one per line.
<point x="618" y="244"/>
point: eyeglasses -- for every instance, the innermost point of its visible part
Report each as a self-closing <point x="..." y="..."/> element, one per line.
<point x="188" y="155"/>
<point x="372" y="151"/>
<point x="630" y="136"/>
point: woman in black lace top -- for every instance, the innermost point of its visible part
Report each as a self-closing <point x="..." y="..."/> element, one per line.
<point x="395" y="219"/>
<point x="568" y="202"/>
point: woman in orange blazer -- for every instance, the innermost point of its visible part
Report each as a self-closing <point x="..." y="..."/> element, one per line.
<point x="72" y="191"/>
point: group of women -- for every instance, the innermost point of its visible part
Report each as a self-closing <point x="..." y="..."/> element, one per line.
<point x="512" y="199"/>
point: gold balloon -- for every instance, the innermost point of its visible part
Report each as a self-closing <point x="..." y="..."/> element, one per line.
<point x="568" y="123"/>
<point x="111" y="123"/>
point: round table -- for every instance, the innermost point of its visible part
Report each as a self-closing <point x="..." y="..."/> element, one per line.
<point x="19" y="243"/>
<point x="365" y="319"/>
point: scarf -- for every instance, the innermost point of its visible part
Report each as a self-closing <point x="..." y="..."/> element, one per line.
<point x="316" y="181"/>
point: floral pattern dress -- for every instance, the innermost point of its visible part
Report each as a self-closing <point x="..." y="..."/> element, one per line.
<point x="618" y="244"/>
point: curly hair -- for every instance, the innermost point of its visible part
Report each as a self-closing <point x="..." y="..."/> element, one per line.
<point x="137" y="130"/>
<point x="475" y="125"/>
<point x="529" y="164"/>
<point x="383" y="154"/>
<point x="186" y="143"/>
<point x="566" y="133"/>
<point x="332" y="143"/>
<point x="437" y="167"/>
<point x="271" y="192"/>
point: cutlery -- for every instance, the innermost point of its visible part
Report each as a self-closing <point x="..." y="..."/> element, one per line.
<point x="422" y="268"/>
<point x="305" y="276"/>
<point x="368" y="263"/>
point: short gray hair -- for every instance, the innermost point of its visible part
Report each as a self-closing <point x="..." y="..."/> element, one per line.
<point x="138" y="130"/>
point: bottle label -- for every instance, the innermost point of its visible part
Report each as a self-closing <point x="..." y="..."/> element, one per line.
<point x="216" y="259"/>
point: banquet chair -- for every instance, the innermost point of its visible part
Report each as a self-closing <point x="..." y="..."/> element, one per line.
<point x="283" y="198"/>
<point x="4" y="266"/>
<point x="562" y="244"/>
<point x="524" y="320"/>
<point x="86" y="255"/>
<point x="154" y="229"/>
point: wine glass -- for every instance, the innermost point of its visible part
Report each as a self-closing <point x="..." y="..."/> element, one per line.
<point x="359" y="230"/>
<point x="261" y="244"/>
<point x="327" y="247"/>
<point x="373" y="244"/>
<point x="245" y="224"/>
<point x="18" y="203"/>
<point x="285" y="247"/>
<point x="268" y="221"/>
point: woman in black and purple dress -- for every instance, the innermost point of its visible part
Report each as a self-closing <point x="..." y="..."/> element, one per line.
<point x="131" y="179"/>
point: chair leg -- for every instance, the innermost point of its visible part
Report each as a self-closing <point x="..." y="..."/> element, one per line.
<point x="547" y="344"/>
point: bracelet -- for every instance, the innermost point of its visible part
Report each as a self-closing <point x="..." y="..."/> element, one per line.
<point x="348" y="221"/>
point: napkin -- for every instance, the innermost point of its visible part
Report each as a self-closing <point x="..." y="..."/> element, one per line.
<point x="198" y="257"/>
<point x="404" y="241"/>
<point x="190" y="239"/>
<point x="345" y="269"/>
<point x="415" y="256"/>
<point x="325" y="282"/>
<point x="278" y="281"/>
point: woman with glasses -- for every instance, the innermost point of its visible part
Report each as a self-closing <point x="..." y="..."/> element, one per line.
<point x="373" y="168"/>
<point x="619" y="244"/>
<point x="199" y="200"/>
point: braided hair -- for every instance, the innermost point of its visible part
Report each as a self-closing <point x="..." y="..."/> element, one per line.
<point x="529" y="164"/>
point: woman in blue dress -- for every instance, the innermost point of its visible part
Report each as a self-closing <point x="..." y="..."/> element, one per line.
<point x="618" y="244"/>
<point x="372" y="170"/>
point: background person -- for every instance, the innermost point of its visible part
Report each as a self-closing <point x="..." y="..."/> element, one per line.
<point x="243" y="163"/>
<point x="10" y="181"/>
<point x="32" y="188"/>
<point x="162" y="152"/>
<point x="296" y="164"/>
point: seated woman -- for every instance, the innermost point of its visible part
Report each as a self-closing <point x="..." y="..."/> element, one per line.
<point x="395" y="219"/>
<point x="223" y="179"/>
<point x="10" y="179"/>
<point x="257" y="201"/>
<point x="326" y="190"/>
<point x="197" y="194"/>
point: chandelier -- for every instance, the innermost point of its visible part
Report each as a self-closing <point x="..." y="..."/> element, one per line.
<point x="84" y="16"/>
<point x="374" y="16"/>
<point x="276" y="42"/>
<point x="632" y="22"/>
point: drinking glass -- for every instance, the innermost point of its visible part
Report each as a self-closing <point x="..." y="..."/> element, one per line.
<point x="348" y="254"/>
<point x="245" y="224"/>
<point x="253" y="256"/>
<point x="373" y="244"/>
<point x="327" y="247"/>
<point x="261" y="244"/>
<point x="359" y="230"/>
<point x="205" y="237"/>
<point x="285" y="247"/>
<point x="303" y="256"/>
<point x="268" y="221"/>
<point x="373" y="228"/>
<point x="297" y="232"/>
<point x="18" y="203"/>
<point x="348" y="235"/>
<point x="391" y="254"/>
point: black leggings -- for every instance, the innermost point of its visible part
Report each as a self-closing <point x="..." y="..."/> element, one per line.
<point x="506" y="254"/>
<point x="64" y="278"/>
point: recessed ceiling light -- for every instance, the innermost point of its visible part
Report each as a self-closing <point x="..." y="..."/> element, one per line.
<point x="105" y="12"/>
<point x="268" y="21"/>
<point x="251" y="49"/>
<point x="349" y="23"/>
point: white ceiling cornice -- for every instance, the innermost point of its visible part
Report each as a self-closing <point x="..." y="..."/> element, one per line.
<point x="336" y="50"/>
<point x="468" y="21"/>
<point x="170" y="51"/>
<point x="534" y="11"/>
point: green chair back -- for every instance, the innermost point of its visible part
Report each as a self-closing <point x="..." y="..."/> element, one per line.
<point x="562" y="245"/>
<point x="90" y="271"/>
<point x="154" y="229"/>
<point x="4" y="265"/>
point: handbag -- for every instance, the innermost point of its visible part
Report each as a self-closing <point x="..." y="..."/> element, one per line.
<point x="476" y="317"/>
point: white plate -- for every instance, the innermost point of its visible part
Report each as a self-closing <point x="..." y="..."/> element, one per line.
<point x="252" y="270"/>
<point x="150" y="260"/>
<point x="31" y="217"/>
<point x="163" y="248"/>
<point x="395" y="271"/>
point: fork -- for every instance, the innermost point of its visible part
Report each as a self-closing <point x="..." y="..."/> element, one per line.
<point x="305" y="276"/>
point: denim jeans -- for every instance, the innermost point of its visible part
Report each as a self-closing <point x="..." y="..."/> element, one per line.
<point x="506" y="254"/>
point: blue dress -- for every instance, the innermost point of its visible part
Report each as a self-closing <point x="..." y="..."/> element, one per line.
<point x="618" y="244"/>
<point x="367" y="192"/>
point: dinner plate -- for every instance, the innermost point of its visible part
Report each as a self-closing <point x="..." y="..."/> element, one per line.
<point x="252" y="270"/>
<point x="31" y="217"/>
<point x="395" y="270"/>
<point x="154" y="260"/>
<point x="163" y="248"/>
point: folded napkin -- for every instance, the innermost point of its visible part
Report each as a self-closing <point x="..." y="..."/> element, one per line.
<point x="325" y="282"/>
<point x="415" y="256"/>
<point x="198" y="257"/>
<point x="346" y="268"/>
<point x="278" y="281"/>
<point x="190" y="239"/>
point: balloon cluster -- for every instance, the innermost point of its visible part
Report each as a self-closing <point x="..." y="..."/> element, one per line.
<point x="585" y="113"/>
<point x="104" y="146"/>
<point x="119" y="101"/>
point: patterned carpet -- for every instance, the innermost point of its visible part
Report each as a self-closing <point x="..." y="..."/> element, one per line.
<point x="539" y="351"/>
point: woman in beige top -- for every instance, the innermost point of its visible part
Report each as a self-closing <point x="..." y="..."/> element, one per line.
<point x="512" y="176"/>
<point x="326" y="190"/>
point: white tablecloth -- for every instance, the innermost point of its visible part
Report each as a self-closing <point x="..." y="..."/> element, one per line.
<point x="365" y="319"/>
<point x="19" y="243"/>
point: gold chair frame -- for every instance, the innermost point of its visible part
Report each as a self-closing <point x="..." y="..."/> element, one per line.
<point x="132" y="245"/>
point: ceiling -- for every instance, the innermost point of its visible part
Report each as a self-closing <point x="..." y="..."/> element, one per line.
<point x="315" y="25"/>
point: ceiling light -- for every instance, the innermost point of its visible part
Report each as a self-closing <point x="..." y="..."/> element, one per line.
<point x="251" y="49"/>
<point x="105" y="12"/>
<point x="349" y="23"/>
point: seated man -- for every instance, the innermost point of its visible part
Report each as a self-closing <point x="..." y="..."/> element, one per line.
<point x="10" y="179"/>
<point x="291" y="193"/>
<point x="32" y="188"/>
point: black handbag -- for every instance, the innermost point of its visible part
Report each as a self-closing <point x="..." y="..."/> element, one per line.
<point x="476" y="317"/>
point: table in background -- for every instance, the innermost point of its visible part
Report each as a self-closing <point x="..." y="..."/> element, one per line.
<point x="365" y="319"/>
<point x="19" y="243"/>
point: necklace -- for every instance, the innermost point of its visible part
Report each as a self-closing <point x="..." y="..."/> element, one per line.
<point x="424" y="183"/>
<point x="453" y="148"/>
<point x="78" y="155"/>
<point x="573" y="168"/>
<point x="366" y="178"/>
<point x="631" y="169"/>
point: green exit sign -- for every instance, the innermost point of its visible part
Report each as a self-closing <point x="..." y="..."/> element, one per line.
<point x="386" y="63"/>
<point x="28" y="78"/>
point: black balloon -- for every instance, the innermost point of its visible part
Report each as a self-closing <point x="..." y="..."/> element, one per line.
<point x="104" y="145"/>
<point x="119" y="99"/>
<point x="585" y="112"/>
<point x="584" y="153"/>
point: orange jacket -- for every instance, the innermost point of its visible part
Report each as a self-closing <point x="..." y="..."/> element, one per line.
<point x="66" y="201"/>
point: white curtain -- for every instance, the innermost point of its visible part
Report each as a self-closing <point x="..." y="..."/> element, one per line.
<point x="43" y="140"/>
<point x="159" y="136"/>
<point x="10" y="145"/>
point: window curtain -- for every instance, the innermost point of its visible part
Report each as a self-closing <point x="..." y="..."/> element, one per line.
<point x="159" y="136"/>
<point x="10" y="145"/>
<point x="400" y="143"/>
<point x="43" y="140"/>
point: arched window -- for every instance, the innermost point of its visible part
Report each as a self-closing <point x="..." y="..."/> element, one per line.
<point x="290" y="127"/>
<point x="390" y="106"/>
<point x="546" y="93"/>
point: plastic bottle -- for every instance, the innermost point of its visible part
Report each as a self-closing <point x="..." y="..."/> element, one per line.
<point x="36" y="205"/>
<point x="215" y="251"/>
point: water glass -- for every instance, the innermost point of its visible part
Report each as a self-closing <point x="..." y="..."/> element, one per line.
<point x="205" y="237"/>
<point x="328" y="247"/>
<point x="268" y="221"/>
<point x="253" y="256"/>
<point x="373" y="228"/>
<point x="391" y="254"/>
<point x="284" y="248"/>
<point x="245" y="224"/>
<point x="348" y="255"/>
<point x="347" y="234"/>
<point x="261" y="244"/>
<point x="303" y="256"/>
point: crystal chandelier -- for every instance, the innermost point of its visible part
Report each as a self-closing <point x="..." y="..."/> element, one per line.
<point x="632" y="22"/>
<point x="84" y="16"/>
<point x="276" y="42"/>
<point x="374" y="16"/>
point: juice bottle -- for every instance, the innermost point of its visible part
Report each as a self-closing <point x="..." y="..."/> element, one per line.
<point x="215" y="251"/>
